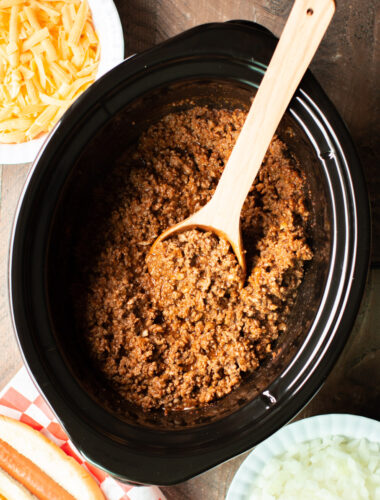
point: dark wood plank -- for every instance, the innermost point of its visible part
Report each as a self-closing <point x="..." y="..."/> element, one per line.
<point x="139" y="20"/>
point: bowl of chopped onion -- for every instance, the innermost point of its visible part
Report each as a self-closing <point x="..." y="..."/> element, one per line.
<point x="50" y="53"/>
<point x="334" y="457"/>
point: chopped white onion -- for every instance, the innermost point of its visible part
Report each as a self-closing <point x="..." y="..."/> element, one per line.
<point x="332" y="468"/>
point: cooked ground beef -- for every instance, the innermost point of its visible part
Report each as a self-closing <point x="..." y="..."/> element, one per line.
<point x="187" y="332"/>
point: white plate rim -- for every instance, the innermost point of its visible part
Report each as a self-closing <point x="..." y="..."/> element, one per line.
<point x="108" y="26"/>
<point x="319" y="426"/>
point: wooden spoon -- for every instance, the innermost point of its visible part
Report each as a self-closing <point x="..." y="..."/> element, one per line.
<point x="302" y="34"/>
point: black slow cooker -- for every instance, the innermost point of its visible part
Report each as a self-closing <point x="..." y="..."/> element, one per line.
<point x="218" y="65"/>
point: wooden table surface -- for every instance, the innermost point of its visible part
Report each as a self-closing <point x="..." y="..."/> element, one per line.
<point x="347" y="66"/>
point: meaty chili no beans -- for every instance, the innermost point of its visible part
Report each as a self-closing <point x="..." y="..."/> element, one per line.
<point x="177" y="330"/>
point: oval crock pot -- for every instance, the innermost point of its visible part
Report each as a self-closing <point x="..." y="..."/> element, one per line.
<point x="218" y="64"/>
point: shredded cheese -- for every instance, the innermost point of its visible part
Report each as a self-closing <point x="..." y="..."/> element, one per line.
<point x="49" y="54"/>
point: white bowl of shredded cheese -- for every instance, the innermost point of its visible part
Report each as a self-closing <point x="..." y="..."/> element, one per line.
<point x="30" y="33"/>
<point x="327" y="457"/>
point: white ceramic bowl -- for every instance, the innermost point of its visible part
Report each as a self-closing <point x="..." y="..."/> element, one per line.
<point x="108" y="26"/>
<point x="351" y="426"/>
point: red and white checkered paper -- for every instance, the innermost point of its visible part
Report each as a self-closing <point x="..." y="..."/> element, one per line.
<point x="20" y="400"/>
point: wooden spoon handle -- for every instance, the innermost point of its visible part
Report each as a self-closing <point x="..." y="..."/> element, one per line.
<point x="299" y="41"/>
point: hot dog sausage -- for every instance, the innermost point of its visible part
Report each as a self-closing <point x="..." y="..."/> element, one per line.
<point x="28" y="474"/>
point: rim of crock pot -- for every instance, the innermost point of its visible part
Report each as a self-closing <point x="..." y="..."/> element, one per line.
<point x="239" y="443"/>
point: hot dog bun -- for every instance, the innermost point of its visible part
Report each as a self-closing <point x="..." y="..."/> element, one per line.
<point x="48" y="459"/>
<point x="10" y="488"/>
